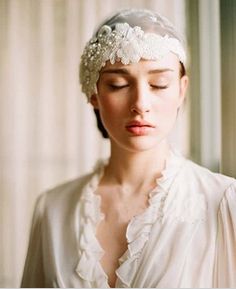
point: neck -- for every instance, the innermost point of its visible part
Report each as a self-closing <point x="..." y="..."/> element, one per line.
<point x="134" y="171"/>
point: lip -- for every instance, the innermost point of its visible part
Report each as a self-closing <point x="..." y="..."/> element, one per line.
<point x="139" y="123"/>
<point x="139" y="128"/>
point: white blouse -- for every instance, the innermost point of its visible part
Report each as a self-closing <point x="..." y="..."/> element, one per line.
<point x="185" y="238"/>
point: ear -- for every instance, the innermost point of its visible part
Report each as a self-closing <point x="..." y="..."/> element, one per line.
<point x="94" y="101"/>
<point x="183" y="88"/>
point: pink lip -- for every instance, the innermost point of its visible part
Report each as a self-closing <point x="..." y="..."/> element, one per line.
<point x="139" y="123"/>
<point x="139" y="128"/>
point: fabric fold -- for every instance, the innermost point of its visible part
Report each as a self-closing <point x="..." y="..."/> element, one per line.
<point x="89" y="249"/>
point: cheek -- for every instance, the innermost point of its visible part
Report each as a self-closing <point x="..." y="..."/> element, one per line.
<point x="170" y="102"/>
<point x="168" y="108"/>
<point x="111" y="112"/>
<point x="109" y="107"/>
<point x="112" y="104"/>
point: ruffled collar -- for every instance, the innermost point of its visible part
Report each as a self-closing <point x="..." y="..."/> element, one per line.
<point x="137" y="233"/>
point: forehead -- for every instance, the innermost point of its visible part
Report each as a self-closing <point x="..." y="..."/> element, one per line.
<point x="170" y="62"/>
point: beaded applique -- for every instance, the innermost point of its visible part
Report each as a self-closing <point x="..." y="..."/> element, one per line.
<point x="125" y="44"/>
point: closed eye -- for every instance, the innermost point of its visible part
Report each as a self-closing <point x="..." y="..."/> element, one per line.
<point x="113" y="86"/>
<point x="159" y="86"/>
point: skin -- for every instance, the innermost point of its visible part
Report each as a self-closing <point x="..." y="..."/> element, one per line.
<point x="148" y="90"/>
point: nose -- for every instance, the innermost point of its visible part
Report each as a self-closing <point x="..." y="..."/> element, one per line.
<point x="140" y="103"/>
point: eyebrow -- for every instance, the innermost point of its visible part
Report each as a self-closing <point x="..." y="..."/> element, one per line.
<point x="160" y="70"/>
<point x="126" y="72"/>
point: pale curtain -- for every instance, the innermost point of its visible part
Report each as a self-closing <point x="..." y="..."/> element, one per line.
<point x="47" y="130"/>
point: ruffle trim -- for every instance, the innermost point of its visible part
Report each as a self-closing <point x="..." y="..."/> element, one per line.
<point x="89" y="249"/>
<point x="138" y="230"/>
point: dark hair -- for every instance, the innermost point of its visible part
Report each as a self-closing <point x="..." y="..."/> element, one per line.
<point x="99" y="124"/>
<point x="98" y="117"/>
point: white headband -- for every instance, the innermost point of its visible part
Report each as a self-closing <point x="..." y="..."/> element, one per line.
<point x="124" y="44"/>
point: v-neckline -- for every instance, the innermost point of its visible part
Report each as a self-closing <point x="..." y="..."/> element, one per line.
<point x="137" y="232"/>
<point x="126" y="253"/>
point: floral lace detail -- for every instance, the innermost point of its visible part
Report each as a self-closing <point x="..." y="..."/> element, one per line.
<point x="126" y="44"/>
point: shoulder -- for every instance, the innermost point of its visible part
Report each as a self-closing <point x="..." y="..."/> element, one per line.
<point x="212" y="184"/>
<point x="69" y="188"/>
<point x="63" y="197"/>
<point x="199" y="191"/>
<point x="205" y="175"/>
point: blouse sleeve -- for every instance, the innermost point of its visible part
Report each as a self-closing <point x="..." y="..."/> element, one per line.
<point x="33" y="275"/>
<point x="225" y="269"/>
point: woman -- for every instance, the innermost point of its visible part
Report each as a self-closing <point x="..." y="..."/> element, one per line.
<point x="147" y="217"/>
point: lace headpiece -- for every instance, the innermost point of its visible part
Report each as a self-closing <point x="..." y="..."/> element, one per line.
<point x="127" y="37"/>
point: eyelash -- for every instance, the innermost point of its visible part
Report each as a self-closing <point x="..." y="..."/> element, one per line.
<point x="116" y="87"/>
<point x="159" y="87"/>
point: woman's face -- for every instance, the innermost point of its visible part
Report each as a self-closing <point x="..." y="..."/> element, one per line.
<point x="138" y="103"/>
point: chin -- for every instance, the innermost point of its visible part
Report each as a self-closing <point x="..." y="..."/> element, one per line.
<point x="141" y="143"/>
